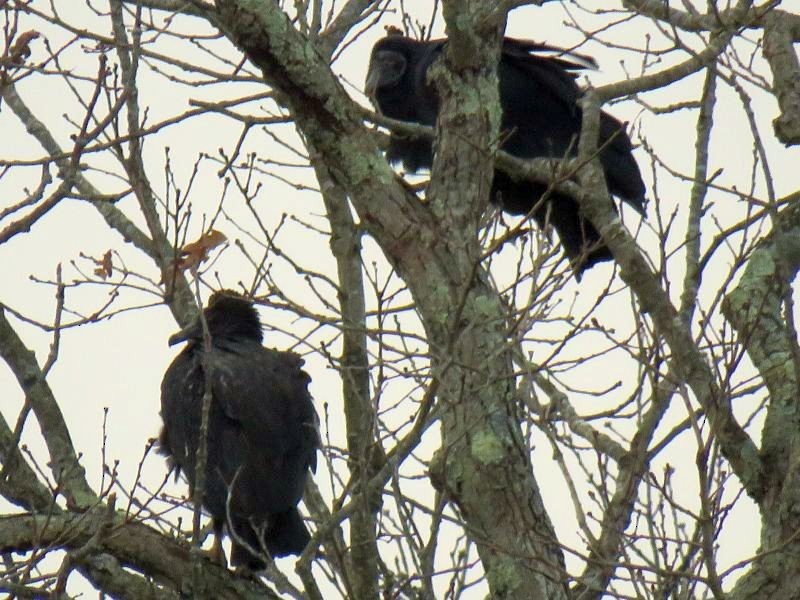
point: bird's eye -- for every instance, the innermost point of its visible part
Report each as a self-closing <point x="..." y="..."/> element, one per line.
<point x="386" y="68"/>
<point x="391" y="66"/>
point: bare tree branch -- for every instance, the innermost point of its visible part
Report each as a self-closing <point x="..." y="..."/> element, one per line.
<point x="68" y="472"/>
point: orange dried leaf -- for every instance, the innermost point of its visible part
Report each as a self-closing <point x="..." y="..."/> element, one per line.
<point x="105" y="268"/>
<point x="22" y="48"/>
<point x="108" y="268"/>
<point x="194" y="253"/>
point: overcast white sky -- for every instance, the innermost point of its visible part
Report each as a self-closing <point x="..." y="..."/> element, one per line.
<point x="119" y="363"/>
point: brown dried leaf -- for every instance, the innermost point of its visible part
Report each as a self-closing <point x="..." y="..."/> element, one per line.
<point x="194" y="253"/>
<point x="22" y="47"/>
<point x="105" y="269"/>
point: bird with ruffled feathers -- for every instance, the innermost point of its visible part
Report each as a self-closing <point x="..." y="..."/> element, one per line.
<point x="262" y="434"/>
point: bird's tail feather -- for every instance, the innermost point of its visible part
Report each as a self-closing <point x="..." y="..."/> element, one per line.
<point x="286" y="534"/>
<point x="580" y="240"/>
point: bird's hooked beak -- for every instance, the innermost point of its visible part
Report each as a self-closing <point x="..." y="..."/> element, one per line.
<point x="386" y="69"/>
<point x="191" y="331"/>
<point x="373" y="78"/>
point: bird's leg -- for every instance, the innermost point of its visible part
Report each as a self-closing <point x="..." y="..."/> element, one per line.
<point x="217" y="552"/>
<point x="246" y="572"/>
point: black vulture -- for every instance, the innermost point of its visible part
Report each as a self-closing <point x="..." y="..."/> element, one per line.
<point x="540" y="118"/>
<point x="262" y="432"/>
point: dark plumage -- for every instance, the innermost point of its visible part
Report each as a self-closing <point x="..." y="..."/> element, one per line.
<point x="262" y="436"/>
<point x="540" y="118"/>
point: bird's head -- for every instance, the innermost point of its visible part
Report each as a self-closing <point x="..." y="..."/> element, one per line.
<point x="387" y="63"/>
<point x="228" y="315"/>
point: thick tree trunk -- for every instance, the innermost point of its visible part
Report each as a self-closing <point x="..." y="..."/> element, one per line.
<point x="483" y="464"/>
<point x="760" y="308"/>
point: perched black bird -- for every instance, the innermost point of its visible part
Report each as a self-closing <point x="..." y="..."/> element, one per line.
<point x="540" y="118"/>
<point x="262" y="436"/>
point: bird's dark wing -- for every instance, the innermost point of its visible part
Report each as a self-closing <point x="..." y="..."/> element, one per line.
<point x="565" y="59"/>
<point x="542" y="117"/>
<point x="538" y="95"/>
<point x="182" y="392"/>
<point x="539" y="101"/>
<point x="620" y="167"/>
<point x="181" y="387"/>
<point x="264" y="392"/>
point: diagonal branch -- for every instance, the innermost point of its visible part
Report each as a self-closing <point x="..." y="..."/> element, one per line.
<point x="134" y="546"/>
<point x="179" y="295"/>
<point x="601" y="563"/>
<point x="688" y="361"/>
<point x="68" y="472"/>
<point x="19" y="483"/>
<point x="114" y="217"/>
